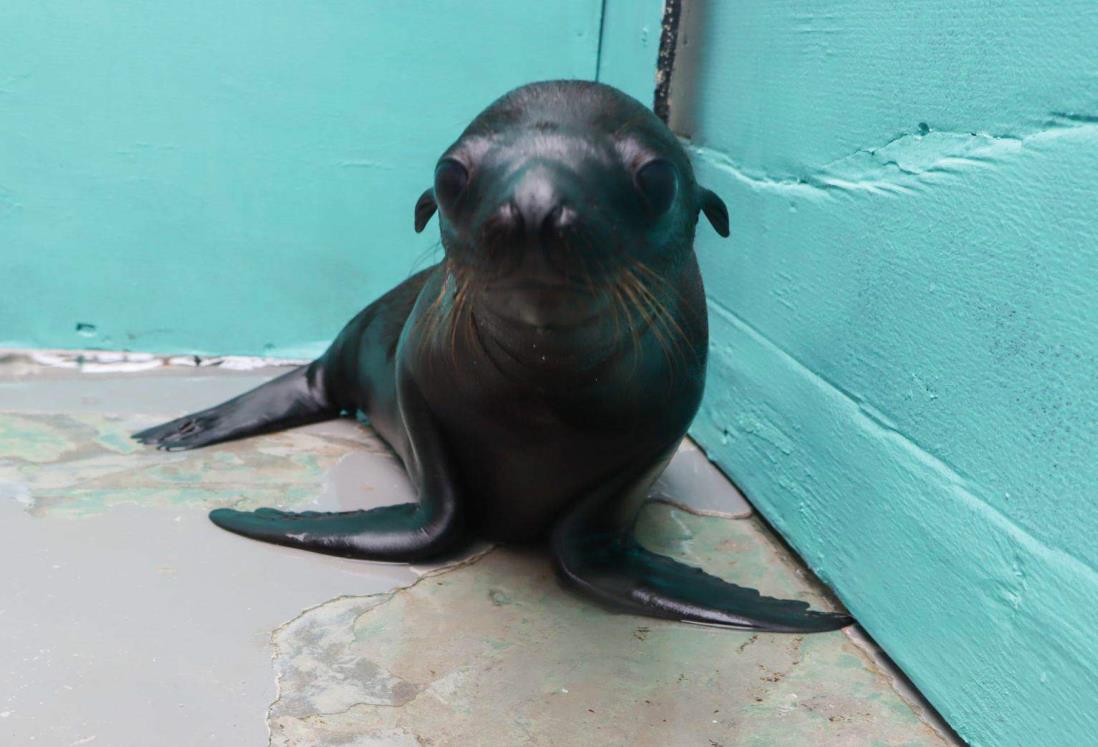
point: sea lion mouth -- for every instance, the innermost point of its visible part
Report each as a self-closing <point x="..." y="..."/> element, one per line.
<point x="546" y="325"/>
<point x="536" y="286"/>
<point x="554" y="305"/>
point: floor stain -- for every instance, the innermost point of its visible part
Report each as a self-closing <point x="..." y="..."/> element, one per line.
<point x="485" y="649"/>
<point x="446" y="661"/>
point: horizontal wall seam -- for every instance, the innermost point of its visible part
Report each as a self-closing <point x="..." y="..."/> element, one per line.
<point x="904" y="165"/>
<point x="966" y="490"/>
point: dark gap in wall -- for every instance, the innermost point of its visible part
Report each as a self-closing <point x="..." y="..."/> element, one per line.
<point x="598" y="50"/>
<point x="687" y="63"/>
<point x="669" y="34"/>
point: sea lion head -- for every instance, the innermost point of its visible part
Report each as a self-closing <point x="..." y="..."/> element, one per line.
<point x="557" y="193"/>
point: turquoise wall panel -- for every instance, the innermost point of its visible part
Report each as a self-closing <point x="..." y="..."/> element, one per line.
<point x="238" y="177"/>
<point x="630" y="46"/>
<point x="905" y="327"/>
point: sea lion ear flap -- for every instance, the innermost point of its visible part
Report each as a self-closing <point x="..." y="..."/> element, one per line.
<point x="715" y="210"/>
<point x="425" y="208"/>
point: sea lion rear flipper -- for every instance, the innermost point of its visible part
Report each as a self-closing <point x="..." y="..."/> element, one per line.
<point x="595" y="552"/>
<point x="293" y="399"/>
<point x="406" y="532"/>
<point x="616" y="570"/>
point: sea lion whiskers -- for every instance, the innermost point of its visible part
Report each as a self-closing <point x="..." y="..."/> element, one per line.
<point x="631" y="289"/>
<point x="428" y="253"/>
<point x="610" y="284"/>
<point x="630" y="297"/>
<point x="439" y="311"/>
<point x="654" y="277"/>
<point x="626" y="308"/>
<point x="462" y="314"/>
<point x="428" y="322"/>
<point x="459" y="309"/>
<point x="457" y="286"/>
<point x="665" y="321"/>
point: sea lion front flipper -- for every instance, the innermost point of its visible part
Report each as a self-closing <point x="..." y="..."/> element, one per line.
<point x="406" y="532"/>
<point x="295" y="398"/>
<point x="390" y="533"/>
<point x="595" y="552"/>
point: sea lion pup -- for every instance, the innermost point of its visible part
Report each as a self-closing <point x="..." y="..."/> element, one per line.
<point x="537" y="380"/>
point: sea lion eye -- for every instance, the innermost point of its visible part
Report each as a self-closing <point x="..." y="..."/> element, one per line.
<point x="450" y="179"/>
<point x="656" y="183"/>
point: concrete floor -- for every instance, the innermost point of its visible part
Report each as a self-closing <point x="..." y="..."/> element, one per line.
<point x="126" y="618"/>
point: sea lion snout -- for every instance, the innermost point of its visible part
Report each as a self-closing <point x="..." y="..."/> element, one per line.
<point x="533" y="208"/>
<point x="547" y="223"/>
<point x="540" y="244"/>
<point x="532" y="218"/>
<point x="538" y="203"/>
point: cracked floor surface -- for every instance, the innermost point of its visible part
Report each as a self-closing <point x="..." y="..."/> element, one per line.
<point x="127" y="619"/>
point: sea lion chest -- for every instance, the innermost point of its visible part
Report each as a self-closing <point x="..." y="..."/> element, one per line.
<point x="527" y="449"/>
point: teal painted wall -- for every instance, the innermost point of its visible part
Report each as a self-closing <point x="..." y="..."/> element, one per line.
<point x="905" y="327"/>
<point x="630" y="45"/>
<point x="238" y="177"/>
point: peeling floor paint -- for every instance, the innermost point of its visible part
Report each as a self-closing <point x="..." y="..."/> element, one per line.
<point x="111" y="361"/>
<point x="497" y="653"/>
<point x="126" y="617"/>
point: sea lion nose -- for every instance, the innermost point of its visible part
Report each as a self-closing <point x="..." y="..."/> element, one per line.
<point x="539" y="205"/>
